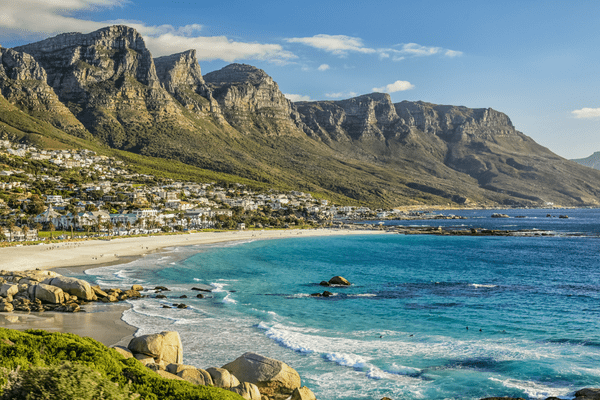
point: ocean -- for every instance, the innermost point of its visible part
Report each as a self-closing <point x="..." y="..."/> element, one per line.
<point x="426" y="317"/>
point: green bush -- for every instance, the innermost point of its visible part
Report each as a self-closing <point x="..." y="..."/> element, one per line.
<point x="65" y="381"/>
<point x="49" y="356"/>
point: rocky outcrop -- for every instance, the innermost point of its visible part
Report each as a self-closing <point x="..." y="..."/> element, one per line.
<point x="274" y="378"/>
<point x="250" y="100"/>
<point x="181" y="76"/>
<point x="164" y="346"/>
<point x="73" y="286"/>
<point x="588" y="394"/>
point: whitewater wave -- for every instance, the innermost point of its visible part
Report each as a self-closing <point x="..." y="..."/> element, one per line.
<point x="477" y="286"/>
<point x="533" y="389"/>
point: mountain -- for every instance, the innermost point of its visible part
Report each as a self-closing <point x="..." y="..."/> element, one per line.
<point x="592" y="161"/>
<point x="105" y="88"/>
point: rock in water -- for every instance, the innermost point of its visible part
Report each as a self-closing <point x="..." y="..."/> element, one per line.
<point x="274" y="378"/>
<point x="588" y="394"/>
<point x="339" y="280"/>
<point x="164" y="346"/>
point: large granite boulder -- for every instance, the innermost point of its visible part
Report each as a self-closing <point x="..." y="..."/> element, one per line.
<point x="196" y="376"/>
<point x="164" y="346"/>
<point x="247" y="390"/>
<point x="46" y="293"/>
<point x="222" y="378"/>
<point x="77" y="287"/>
<point x="274" y="378"/>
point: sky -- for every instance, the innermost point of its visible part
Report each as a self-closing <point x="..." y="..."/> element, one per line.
<point x="536" y="61"/>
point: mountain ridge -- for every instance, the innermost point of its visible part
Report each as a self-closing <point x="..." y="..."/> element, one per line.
<point x="105" y="86"/>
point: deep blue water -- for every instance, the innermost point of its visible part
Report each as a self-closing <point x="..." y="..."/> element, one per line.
<point x="531" y="305"/>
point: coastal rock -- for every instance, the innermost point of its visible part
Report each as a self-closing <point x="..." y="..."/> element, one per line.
<point x="339" y="280"/>
<point x="46" y="293"/>
<point x="8" y="289"/>
<point x="327" y="294"/>
<point x="164" y="346"/>
<point x="167" y="375"/>
<point x="74" y="286"/>
<point x="324" y="283"/>
<point x="248" y="391"/>
<point x="588" y="394"/>
<point x="144" y="358"/>
<point x="274" y="378"/>
<point x="223" y="378"/>
<point x="137" y="288"/>
<point x="499" y="215"/>
<point x="303" y="393"/>
<point x="503" y="398"/>
<point x="123" y="351"/>
<point x="6" y="307"/>
<point x="196" y="376"/>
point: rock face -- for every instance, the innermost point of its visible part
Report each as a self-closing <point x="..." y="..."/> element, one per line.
<point x="164" y="346"/>
<point x="274" y="378"/>
<point x="250" y="100"/>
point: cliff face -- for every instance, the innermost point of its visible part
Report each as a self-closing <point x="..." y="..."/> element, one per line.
<point x="236" y="120"/>
<point x="251" y="101"/>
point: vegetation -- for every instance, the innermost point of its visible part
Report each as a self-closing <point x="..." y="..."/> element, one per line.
<point x="42" y="365"/>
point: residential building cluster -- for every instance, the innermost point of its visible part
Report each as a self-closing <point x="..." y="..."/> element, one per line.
<point x="115" y="201"/>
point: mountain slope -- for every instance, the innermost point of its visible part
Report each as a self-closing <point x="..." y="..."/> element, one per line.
<point x="106" y="88"/>
<point x="592" y="161"/>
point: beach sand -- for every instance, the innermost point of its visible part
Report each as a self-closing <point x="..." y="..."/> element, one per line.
<point x="103" y="321"/>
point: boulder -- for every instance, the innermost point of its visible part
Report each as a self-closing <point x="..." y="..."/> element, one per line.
<point x="196" y="376"/>
<point x="99" y="292"/>
<point x="324" y="283"/>
<point x="8" y="289"/>
<point x="588" y="394"/>
<point x="339" y="280"/>
<point x="247" y="390"/>
<point x="274" y="378"/>
<point x="6" y="307"/>
<point x="164" y="346"/>
<point x="46" y="293"/>
<point x="222" y="378"/>
<point x="74" y="286"/>
<point x="137" y="288"/>
<point x="143" y="358"/>
<point x="176" y="368"/>
<point x="168" y="375"/>
<point x="303" y="393"/>
<point x="123" y="351"/>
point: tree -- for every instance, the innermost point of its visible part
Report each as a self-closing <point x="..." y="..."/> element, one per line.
<point x="51" y="228"/>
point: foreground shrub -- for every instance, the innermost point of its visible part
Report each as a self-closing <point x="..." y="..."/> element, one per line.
<point x="38" y="350"/>
<point x="65" y="381"/>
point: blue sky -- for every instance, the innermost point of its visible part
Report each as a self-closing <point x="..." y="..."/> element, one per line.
<point x="537" y="61"/>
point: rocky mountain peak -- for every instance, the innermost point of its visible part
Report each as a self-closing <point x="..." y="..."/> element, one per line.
<point x="236" y="74"/>
<point x="178" y="69"/>
<point x="76" y="61"/>
<point x="20" y="66"/>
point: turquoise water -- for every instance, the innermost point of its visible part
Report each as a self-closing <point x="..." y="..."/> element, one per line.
<point x="531" y="305"/>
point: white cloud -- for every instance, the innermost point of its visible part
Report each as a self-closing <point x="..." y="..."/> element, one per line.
<point x="402" y="51"/>
<point x="587" y="113"/>
<point x="296" y="97"/>
<point x="341" y="95"/>
<point x="323" y="67"/>
<point x="397" y="86"/>
<point x="337" y="44"/>
<point x="34" y="19"/>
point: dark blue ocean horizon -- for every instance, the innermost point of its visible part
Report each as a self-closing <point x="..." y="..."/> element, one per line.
<point x="531" y="306"/>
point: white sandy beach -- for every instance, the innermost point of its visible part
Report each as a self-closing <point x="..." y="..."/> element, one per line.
<point x="92" y="252"/>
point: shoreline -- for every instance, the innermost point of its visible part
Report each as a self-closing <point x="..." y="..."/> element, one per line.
<point x="103" y="322"/>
